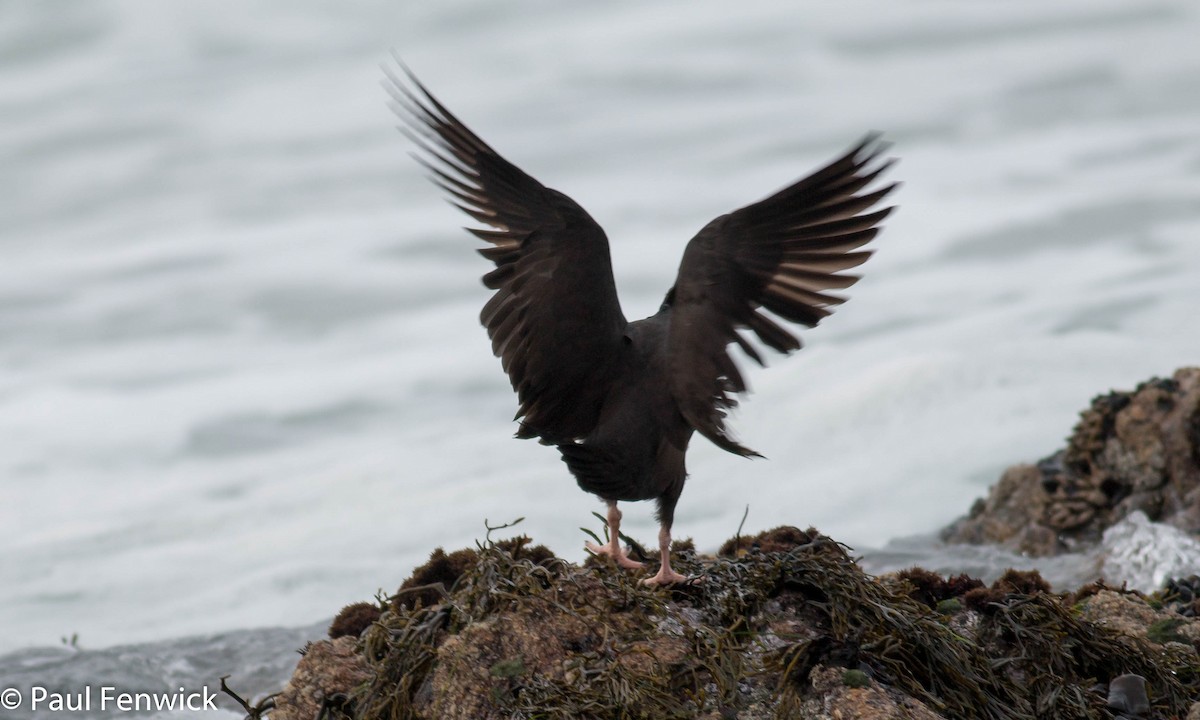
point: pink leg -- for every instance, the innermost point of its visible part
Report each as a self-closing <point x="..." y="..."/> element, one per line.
<point x="613" y="548"/>
<point x="665" y="576"/>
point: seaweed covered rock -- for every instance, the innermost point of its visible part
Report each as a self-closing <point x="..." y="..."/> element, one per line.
<point x="1131" y="452"/>
<point x="780" y="539"/>
<point x="793" y="631"/>
<point x="432" y="581"/>
<point x="353" y="619"/>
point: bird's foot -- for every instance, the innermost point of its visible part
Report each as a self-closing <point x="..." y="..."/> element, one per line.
<point x="616" y="552"/>
<point x="667" y="576"/>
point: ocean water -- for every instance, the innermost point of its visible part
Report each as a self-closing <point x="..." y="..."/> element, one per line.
<point x="242" y="381"/>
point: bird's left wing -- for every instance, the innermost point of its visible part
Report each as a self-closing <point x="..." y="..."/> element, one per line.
<point x="781" y="255"/>
<point x="554" y="320"/>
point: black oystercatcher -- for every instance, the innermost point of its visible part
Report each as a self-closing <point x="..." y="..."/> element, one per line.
<point x="621" y="399"/>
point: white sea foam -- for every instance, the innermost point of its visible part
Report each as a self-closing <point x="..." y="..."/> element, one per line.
<point x="1144" y="554"/>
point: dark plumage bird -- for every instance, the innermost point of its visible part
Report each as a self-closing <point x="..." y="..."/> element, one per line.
<point x="621" y="399"/>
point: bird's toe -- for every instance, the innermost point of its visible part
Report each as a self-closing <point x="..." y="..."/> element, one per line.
<point x="616" y="553"/>
<point x="670" y="577"/>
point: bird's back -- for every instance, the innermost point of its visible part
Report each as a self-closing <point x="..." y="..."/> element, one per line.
<point x="635" y="451"/>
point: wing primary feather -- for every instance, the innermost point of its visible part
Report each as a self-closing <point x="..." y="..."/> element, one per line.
<point x="443" y="176"/>
<point x="483" y="215"/>
<point x="826" y="262"/>
<point x="807" y="315"/>
<point x="843" y="165"/>
<point x="472" y="199"/>
<point x="781" y="288"/>
<point x="494" y="306"/>
<point x="495" y="279"/>
<point x="505" y="332"/>
<point x="749" y="349"/>
<point x="456" y="164"/>
<point x="447" y="121"/>
<point x="827" y="243"/>
<point x="844" y="208"/>
<point x="854" y="183"/>
<point x="834" y="228"/>
<point x="424" y="128"/>
<point x="501" y="255"/>
<point x="816" y="281"/>
<point x="447" y="128"/>
<point x="400" y="93"/>
<point x="837" y="166"/>
<point x="770" y="333"/>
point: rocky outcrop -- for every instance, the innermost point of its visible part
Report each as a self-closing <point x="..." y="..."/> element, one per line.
<point x="784" y="625"/>
<point x="1131" y="452"/>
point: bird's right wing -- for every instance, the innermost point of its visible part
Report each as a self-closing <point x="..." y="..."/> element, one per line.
<point x="780" y="254"/>
<point x="554" y="320"/>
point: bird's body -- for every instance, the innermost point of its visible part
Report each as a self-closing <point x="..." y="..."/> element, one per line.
<point x="622" y="399"/>
<point x="634" y="449"/>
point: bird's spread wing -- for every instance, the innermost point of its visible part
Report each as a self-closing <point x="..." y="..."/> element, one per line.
<point x="780" y="255"/>
<point x="554" y="319"/>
